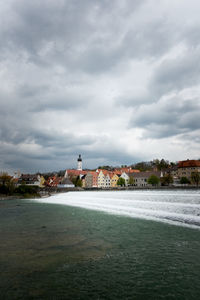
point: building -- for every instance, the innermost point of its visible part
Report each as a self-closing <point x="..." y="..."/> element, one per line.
<point x="74" y="173"/>
<point x="141" y="178"/>
<point x="126" y="170"/>
<point x="53" y="181"/>
<point x="94" y="179"/>
<point x="65" y="183"/>
<point x="79" y="165"/>
<point x="173" y="171"/>
<point x="107" y="181"/>
<point x="114" y="179"/>
<point x="29" y="179"/>
<point x="187" y="167"/>
<point x="91" y="179"/>
<point x="101" y="179"/>
<point x="125" y="177"/>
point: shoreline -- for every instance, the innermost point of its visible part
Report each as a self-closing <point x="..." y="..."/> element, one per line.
<point x="43" y="193"/>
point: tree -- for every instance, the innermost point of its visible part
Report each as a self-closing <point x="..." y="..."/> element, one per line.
<point x="61" y="173"/>
<point x="76" y="180"/>
<point x="161" y="164"/>
<point x="195" y="177"/>
<point x="131" y="180"/>
<point x="121" y="181"/>
<point x="142" y="166"/>
<point x="79" y="182"/>
<point x="109" y="168"/>
<point x="184" y="180"/>
<point x="167" y="179"/>
<point x="6" y="184"/>
<point x="153" y="179"/>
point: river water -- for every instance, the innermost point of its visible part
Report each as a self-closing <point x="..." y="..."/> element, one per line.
<point x="101" y="245"/>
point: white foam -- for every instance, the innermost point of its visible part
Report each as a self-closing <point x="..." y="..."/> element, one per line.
<point x="178" y="208"/>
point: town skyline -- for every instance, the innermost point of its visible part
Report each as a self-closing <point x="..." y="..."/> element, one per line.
<point x="79" y="164"/>
<point x="149" y="174"/>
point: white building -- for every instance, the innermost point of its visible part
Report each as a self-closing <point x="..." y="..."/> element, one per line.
<point x="126" y="178"/>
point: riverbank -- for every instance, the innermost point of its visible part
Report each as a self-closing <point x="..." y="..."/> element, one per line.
<point x="48" y="192"/>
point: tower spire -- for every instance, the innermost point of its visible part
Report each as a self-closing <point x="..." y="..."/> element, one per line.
<point x="79" y="165"/>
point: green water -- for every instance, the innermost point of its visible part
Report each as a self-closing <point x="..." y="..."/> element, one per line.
<point x="58" y="252"/>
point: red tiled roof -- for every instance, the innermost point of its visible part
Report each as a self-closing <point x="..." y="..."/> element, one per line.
<point x="126" y="170"/>
<point x="188" y="163"/>
<point x="76" y="172"/>
<point x="105" y="172"/>
<point x="53" y="181"/>
<point x="134" y="171"/>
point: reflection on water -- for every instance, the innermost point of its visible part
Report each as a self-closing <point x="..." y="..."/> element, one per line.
<point x="63" y="252"/>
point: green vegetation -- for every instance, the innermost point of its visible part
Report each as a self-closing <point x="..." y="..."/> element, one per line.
<point x="167" y="180"/>
<point x="108" y="168"/>
<point x="27" y="191"/>
<point x="184" y="180"/>
<point x="131" y="180"/>
<point x="121" y="181"/>
<point x="154" y="164"/>
<point x="195" y="178"/>
<point x="79" y="183"/>
<point x="6" y="184"/>
<point x="153" y="179"/>
<point x="8" y="188"/>
<point x="76" y="181"/>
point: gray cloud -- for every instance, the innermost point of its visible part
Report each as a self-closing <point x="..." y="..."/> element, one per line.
<point x="176" y="74"/>
<point x="168" y="117"/>
<point x="97" y="78"/>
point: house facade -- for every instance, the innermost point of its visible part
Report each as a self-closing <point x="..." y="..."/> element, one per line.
<point x="114" y="179"/>
<point x="65" y="183"/>
<point x="125" y="177"/>
<point x="101" y="180"/>
<point x="89" y="180"/>
<point x="107" y="181"/>
<point x="141" y="179"/>
<point x="30" y="179"/>
<point x="187" y="167"/>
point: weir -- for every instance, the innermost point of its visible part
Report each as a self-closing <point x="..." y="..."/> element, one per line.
<point x="179" y="207"/>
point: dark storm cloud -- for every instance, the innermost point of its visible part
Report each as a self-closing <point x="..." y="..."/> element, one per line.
<point x="45" y="150"/>
<point x="68" y="67"/>
<point x="71" y="33"/>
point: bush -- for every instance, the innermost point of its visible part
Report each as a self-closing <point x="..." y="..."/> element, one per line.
<point x="184" y="180"/>
<point x="27" y="189"/>
<point x="153" y="179"/>
<point x="195" y="177"/>
<point x="4" y="189"/>
<point x="121" y="181"/>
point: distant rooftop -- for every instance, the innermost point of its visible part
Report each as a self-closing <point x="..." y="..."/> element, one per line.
<point x="188" y="163"/>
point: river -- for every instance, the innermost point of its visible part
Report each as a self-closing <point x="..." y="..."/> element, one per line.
<point x="101" y="245"/>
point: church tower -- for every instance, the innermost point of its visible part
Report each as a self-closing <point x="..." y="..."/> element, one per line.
<point x="79" y="160"/>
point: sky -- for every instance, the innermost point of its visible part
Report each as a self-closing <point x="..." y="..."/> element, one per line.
<point x="116" y="81"/>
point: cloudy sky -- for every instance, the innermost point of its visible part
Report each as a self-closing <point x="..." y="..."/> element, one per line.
<point x="117" y="81"/>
